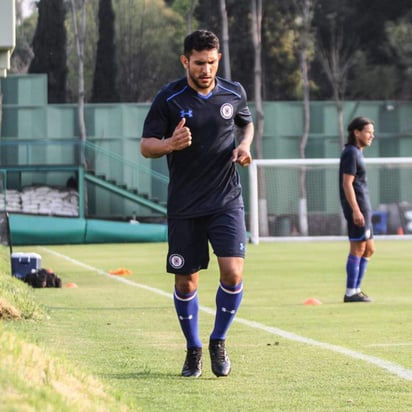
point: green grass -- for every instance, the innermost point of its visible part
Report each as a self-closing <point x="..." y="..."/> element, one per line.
<point x="128" y="337"/>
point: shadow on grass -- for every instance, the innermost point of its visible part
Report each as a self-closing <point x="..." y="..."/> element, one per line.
<point x="152" y="375"/>
<point x="109" y="309"/>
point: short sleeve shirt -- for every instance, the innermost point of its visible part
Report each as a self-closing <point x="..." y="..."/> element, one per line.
<point x="203" y="177"/>
<point x="352" y="163"/>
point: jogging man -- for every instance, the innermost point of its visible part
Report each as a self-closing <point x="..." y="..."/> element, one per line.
<point x="193" y="121"/>
<point x="354" y="197"/>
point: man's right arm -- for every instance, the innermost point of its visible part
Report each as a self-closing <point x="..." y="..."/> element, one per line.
<point x="152" y="147"/>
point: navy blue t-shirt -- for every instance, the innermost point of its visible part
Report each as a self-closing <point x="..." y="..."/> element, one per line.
<point x="353" y="163"/>
<point x="203" y="178"/>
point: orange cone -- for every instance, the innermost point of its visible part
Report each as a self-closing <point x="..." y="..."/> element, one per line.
<point x="312" y="301"/>
<point x="70" y="285"/>
<point x="400" y="230"/>
<point x="120" y="272"/>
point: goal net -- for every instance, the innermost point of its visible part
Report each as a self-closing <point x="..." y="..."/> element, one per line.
<point x="299" y="198"/>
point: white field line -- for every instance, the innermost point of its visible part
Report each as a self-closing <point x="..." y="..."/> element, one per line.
<point x="391" y="367"/>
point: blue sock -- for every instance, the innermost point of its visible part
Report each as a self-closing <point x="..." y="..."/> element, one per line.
<point x="352" y="272"/>
<point x="362" y="270"/>
<point x="227" y="303"/>
<point x="187" y="309"/>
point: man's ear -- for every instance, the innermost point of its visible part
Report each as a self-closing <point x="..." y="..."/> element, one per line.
<point x="184" y="60"/>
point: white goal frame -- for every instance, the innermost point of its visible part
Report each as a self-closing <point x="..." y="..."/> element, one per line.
<point x="255" y="237"/>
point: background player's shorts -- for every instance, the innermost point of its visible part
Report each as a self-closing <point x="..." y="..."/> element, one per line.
<point x="189" y="240"/>
<point x="359" y="233"/>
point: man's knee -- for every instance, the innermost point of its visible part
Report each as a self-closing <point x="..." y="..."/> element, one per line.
<point x="186" y="284"/>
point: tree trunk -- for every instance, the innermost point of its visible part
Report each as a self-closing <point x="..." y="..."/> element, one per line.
<point x="303" y="55"/>
<point x="80" y="33"/>
<point x="189" y="16"/>
<point x="80" y="41"/>
<point x="225" y="40"/>
<point x="257" y="45"/>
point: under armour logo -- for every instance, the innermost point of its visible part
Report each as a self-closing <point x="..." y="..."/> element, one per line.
<point x="188" y="113"/>
<point x="190" y="317"/>
<point x="232" y="312"/>
<point x="242" y="246"/>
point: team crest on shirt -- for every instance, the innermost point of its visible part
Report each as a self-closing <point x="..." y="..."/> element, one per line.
<point x="176" y="261"/>
<point x="226" y="111"/>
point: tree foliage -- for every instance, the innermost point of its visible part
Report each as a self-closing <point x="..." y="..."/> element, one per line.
<point x="150" y="42"/>
<point x="23" y="52"/>
<point x="104" y="80"/>
<point x="370" y="37"/>
<point x="49" y="48"/>
<point x="373" y="73"/>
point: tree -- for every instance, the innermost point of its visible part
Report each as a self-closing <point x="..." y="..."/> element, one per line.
<point x="89" y="53"/>
<point x="256" y="31"/>
<point x="305" y="44"/>
<point x="23" y="52"/>
<point x="400" y="44"/>
<point x="49" y="47"/>
<point x="336" y="58"/>
<point x="185" y="8"/>
<point x="104" y="81"/>
<point x="225" y="40"/>
<point x="374" y="73"/>
<point x="79" y="34"/>
<point x="147" y="53"/>
<point x="377" y="69"/>
<point x="281" y="73"/>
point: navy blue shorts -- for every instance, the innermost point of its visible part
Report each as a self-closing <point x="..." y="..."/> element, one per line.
<point x="359" y="233"/>
<point x="189" y="240"/>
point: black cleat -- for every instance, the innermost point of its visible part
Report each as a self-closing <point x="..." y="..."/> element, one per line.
<point x="193" y="363"/>
<point x="219" y="358"/>
<point x="357" y="297"/>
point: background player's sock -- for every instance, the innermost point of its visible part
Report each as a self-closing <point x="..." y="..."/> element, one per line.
<point x="352" y="274"/>
<point x="363" y="264"/>
<point x="227" y="303"/>
<point x="187" y="309"/>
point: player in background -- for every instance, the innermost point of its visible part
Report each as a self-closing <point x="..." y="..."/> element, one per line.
<point x="193" y="120"/>
<point x="356" y="206"/>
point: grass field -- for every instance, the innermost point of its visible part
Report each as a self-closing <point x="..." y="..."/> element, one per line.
<point x="286" y="356"/>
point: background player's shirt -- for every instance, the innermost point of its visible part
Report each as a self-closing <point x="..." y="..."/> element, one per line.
<point x="203" y="178"/>
<point x="352" y="163"/>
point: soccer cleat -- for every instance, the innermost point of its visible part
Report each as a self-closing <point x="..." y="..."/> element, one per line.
<point x="365" y="296"/>
<point x="219" y="358"/>
<point x="193" y="363"/>
<point x="357" y="297"/>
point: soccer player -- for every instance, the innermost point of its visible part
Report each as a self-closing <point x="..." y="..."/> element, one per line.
<point x="356" y="206"/>
<point x="193" y="121"/>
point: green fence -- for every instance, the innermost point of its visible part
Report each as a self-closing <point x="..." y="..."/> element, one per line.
<point x="35" y="133"/>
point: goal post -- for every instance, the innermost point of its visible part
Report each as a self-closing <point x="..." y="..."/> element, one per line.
<point x="302" y="197"/>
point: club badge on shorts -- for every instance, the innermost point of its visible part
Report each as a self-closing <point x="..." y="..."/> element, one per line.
<point x="176" y="261"/>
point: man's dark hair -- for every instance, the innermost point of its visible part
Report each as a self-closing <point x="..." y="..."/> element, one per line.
<point x="200" y="40"/>
<point x="358" y="123"/>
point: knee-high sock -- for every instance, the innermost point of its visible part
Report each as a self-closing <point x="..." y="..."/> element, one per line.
<point x="352" y="274"/>
<point x="187" y="309"/>
<point x="363" y="264"/>
<point x="227" y="303"/>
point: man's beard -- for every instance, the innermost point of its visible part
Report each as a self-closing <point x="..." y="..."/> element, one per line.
<point x="200" y="85"/>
